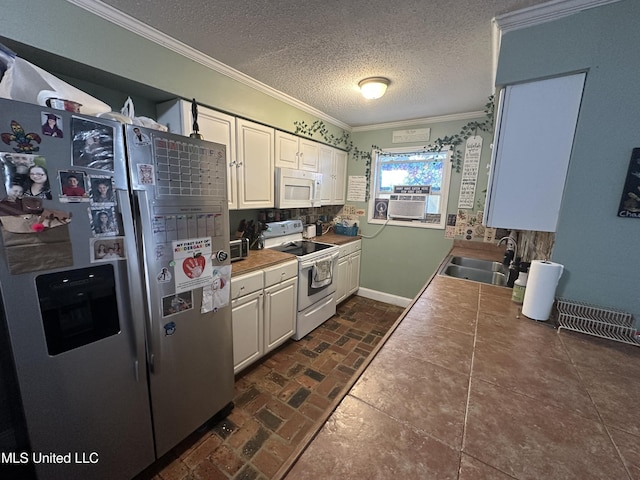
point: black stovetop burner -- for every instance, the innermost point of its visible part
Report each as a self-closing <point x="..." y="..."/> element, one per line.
<point x="301" y="248"/>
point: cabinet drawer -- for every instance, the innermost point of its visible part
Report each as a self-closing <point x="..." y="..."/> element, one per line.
<point x="349" y="248"/>
<point x="280" y="272"/>
<point x="246" y="284"/>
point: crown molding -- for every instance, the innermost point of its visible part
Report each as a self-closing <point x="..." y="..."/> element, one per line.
<point x="535" y="15"/>
<point x="523" y="18"/>
<point x="129" y="23"/>
<point x="545" y="12"/>
<point x="420" y="121"/>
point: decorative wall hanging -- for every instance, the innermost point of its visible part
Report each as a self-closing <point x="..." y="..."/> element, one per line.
<point x="630" y="201"/>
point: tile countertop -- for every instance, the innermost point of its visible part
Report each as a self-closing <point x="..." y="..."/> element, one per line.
<point x="480" y="250"/>
<point x="335" y="239"/>
<point x="260" y="259"/>
<point x="497" y="394"/>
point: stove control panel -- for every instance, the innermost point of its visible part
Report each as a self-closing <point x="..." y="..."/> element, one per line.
<point x="280" y="229"/>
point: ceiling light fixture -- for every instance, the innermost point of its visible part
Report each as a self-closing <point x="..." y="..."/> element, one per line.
<point x="373" y="87"/>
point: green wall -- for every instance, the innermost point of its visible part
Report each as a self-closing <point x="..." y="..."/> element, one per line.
<point x="599" y="250"/>
<point x="399" y="260"/>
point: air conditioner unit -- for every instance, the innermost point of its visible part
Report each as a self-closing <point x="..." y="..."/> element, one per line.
<point x="409" y="207"/>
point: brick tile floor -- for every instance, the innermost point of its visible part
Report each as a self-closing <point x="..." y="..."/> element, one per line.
<point x="279" y="400"/>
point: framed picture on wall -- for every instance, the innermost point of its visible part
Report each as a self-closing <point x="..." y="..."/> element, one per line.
<point x="630" y="201"/>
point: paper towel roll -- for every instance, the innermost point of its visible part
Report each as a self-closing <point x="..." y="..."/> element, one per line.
<point x="541" y="289"/>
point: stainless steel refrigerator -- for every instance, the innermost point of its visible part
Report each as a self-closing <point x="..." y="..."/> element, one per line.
<point x="114" y="280"/>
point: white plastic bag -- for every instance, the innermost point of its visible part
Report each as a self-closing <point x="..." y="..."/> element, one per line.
<point x="128" y="110"/>
<point x="7" y="57"/>
<point x="26" y="82"/>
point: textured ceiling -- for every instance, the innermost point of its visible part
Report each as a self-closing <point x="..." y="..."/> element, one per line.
<point x="437" y="53"/>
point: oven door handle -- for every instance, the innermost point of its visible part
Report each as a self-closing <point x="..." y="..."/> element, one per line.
<point x="311" y="263"/>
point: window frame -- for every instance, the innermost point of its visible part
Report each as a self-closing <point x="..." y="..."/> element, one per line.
<point x="444" y="189"/>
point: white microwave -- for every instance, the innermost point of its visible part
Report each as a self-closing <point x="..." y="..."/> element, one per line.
<point x="297" y="188"/>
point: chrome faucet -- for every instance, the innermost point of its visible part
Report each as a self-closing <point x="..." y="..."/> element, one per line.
<point x="511" y="243"/>
<point x="512" y="247"/>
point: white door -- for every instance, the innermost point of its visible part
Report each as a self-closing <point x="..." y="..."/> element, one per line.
<point x="214" y="126"/>
<point x="309" y="153"/>
<point x="354" y="273"/>
<point x="325" y="167"/>
<point x="280" y="312"/>
<point x="342" y="284"/>
<point x="255" y="165"/>
<point x="221" y="128"/>
<point x="286" y="150"/>
<point x="340" y="177"/>
<point x="532" y="146"/>
<point x="247" y="322"/>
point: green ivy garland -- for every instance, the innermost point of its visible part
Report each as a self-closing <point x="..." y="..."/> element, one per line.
<point x="453" y="142"/>
<point x="319" y="127"/>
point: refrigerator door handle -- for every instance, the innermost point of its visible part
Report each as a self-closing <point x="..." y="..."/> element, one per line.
<point x="142" y="211"/>
<point x="136" y="285"/>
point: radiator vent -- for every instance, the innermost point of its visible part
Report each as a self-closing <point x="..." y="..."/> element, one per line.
<point x="407" y="206"/>
<point x="603" y="322"/>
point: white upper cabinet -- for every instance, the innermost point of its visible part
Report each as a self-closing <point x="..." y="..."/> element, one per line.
<point x="286" y="150"/>
<point x="309" y="153"/>
<point x="532" y="145"/>
<point x="214" y="126"/>
<point x="339" y="177"/>
<point x="296" y="152"/>
<point x="255" y="165"/>
<point x="333" y="167"/>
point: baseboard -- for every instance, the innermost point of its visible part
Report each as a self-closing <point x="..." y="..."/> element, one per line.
<point x="384" y="297"/>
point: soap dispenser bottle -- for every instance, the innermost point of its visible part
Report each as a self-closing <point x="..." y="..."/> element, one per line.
<point x="520" y="285"/>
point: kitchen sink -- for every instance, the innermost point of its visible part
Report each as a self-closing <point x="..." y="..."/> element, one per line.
<point x="477" y="263"/>
<point x="474" y="269"/>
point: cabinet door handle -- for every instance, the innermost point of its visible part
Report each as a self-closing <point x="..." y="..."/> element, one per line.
<point x="238" y="164"/>
<point x="240" y="292"/>
<point x="136" y="370"/>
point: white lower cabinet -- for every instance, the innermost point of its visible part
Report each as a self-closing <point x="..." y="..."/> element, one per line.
<point x="348" y="270"/>
<point x="247" y="314"/>
<point x="263" y="311"/>
<point x="280" y="303"/>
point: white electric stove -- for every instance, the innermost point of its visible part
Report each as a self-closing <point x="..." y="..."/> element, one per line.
<point x="317" y="271"/>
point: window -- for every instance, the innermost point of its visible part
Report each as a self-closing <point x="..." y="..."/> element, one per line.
<point x="409" y="167"/>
